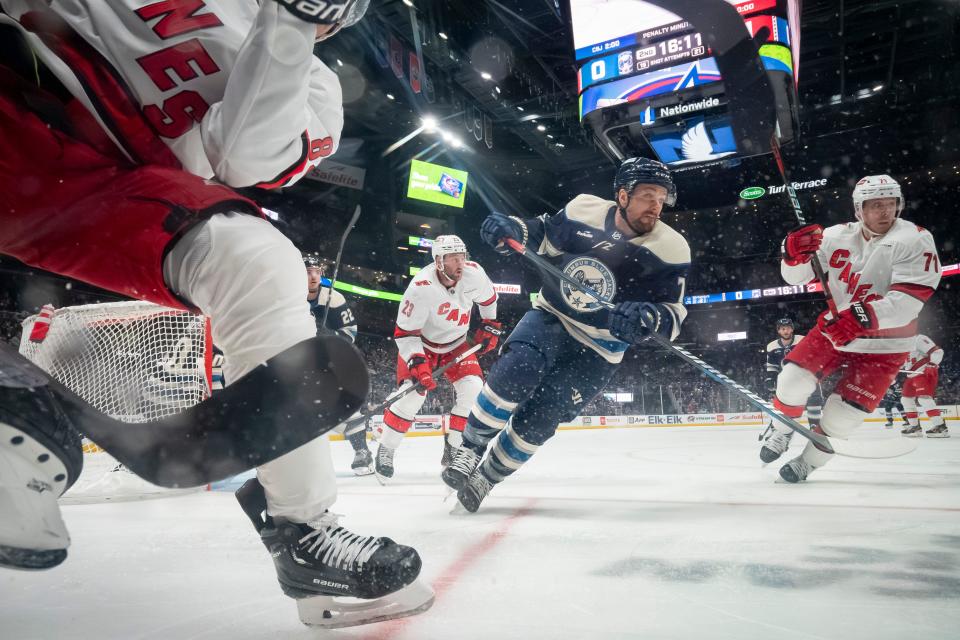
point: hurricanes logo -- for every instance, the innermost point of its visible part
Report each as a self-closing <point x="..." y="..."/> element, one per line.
<point x="590" y="273"/>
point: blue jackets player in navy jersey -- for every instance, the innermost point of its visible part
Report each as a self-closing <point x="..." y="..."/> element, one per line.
<point x="564" y="351"/>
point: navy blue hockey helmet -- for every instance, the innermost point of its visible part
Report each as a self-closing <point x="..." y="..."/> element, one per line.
<point x="634" y="171"/>
<point x="784" y="322"/>
<point x="312" y="261"/>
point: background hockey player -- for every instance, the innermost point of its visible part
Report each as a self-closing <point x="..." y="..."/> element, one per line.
<point x="891" y="399"/>
<point x="432" y="325"/>
<point x="777" y="350"/>
<point x="565" y="350"/>
<point x="136" y="119"/>
<point x="881" y="270"/>
<point x="923" y="372"/>
<point x="340" y="320"/>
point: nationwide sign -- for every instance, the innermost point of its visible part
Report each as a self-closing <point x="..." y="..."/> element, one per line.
<point x="752" y="193"/>
<point x="688" y="107"/>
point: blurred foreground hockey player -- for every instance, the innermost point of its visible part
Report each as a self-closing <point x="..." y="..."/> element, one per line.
<point x="881" y="270"/>
<point x="565" y="350"/>
<point x="923" y="373"/>
<point x="432" y="325"/>
<point x="124" y="127"/>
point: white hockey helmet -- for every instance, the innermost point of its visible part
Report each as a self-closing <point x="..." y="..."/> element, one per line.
<point x="873" y="187"/>
<point x="444" y="245"/>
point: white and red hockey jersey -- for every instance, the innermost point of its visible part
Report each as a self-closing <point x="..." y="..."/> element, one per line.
<point x="924" y="355"/>
<point x="895" y="273"/>
<point x="436" y="318"/>
<point x="231" y="86"/>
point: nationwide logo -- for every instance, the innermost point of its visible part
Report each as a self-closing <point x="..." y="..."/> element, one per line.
<point x="752" y="193"/>
<point x="680" y="109"/>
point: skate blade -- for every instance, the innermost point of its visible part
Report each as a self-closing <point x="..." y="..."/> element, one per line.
<point x="363" y="471"/>
<point x="328" y="612"/>
<point x="912" y="435"/>
<point x="937" y="435"/>
<point x="460" y="510"/>
<point x="383" y="480"/>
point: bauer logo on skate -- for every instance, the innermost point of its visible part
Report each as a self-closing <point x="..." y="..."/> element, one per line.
<point x="593" y="274"/>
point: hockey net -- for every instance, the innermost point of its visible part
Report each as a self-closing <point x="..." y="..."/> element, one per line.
<point x="134" y="361"/>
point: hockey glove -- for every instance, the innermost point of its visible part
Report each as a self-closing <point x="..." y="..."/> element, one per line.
<point x="336" y="13"/>
<point x="420" y="371"/>
<point x="801" y="244"/>
<point x="488" y="332"/>
<point x="849" y="325"/>
<point x="496" y="227"/>
<point x="633" y="322"/>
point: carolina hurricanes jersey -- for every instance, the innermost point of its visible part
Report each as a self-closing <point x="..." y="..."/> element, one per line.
<point x="925" y="354"/>
<point x="895" y="273"/>
<point x="232" y="87"/>
<point x="433" y="317"/>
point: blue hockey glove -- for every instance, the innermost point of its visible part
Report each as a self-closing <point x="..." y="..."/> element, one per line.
<point x="633" y="322"/>
<point x="496" y="227"/>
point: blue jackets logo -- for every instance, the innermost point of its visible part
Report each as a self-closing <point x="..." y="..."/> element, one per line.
<point x="591" y="273"/>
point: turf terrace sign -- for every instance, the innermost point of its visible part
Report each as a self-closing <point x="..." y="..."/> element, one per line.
<point x="752" y="193"/>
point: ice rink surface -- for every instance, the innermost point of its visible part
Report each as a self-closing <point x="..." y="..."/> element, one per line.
<point x="620" y="533"/>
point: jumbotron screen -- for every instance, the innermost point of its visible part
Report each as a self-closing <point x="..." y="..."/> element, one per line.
<point x="633" y="51"/>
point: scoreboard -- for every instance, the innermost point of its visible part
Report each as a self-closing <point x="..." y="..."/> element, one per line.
<point x="626" y="40"/>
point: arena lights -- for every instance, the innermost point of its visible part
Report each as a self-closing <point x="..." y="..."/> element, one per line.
<point x="429" y="123"/>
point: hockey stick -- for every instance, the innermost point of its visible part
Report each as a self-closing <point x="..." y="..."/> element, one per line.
<point x="801" y="220"/>
<point x="405" y="391"/>
<point x="336" y="265"/>
<point x="886" y="448"/>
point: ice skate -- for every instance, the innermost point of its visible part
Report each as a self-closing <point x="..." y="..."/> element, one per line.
<point x="796" y="470"/>
<point x="362" y="464"/>
<point x="449" y="451"/>
<point x="913" y="431"/>
<point x="775" y="442"/>
<point x="40" y="457"/>
<point x="476" y="489"/>
<point x="889" y="424"/>
<point x="464" y="463"/>
<point x="939" y="431"/>
<point x="338" y="578"/>
<point x="384" y="463"/>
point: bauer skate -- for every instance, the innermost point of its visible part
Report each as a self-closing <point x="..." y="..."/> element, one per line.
<point x="939" y="431"/>
<point x="362" y="464"/>
<point x="464" y="463"/>
<point x="338" y="578"/>
<point x="796" y="470"/>
<point x="775" y="442"/>
<point x="384" y="463"/>
<point x="476" y="489"/>
<point x="913" y="431"/>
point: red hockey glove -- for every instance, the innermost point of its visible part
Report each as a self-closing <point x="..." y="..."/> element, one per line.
<point x="801" y="243"/>
<point x="851" y="324"/>
<point x="420" y="371"/>
<point x="489" y="332"/>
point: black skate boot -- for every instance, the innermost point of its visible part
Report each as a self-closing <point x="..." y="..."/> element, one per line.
<point x="384" y="465"/>
<point x="796" y="470"/>
<point x="889" y="424"/>
<point x="449" y="451"/>
<point x="464" y="463"/>
<point x="362" y="464"/>
<point x="913" y="431"/>
<point x="775" y="442"/>
<point x="322" y="558"/>
<point x="476" y="489"/>
<point x="939" y="431"/>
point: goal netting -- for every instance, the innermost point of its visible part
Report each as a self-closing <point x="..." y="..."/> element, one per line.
<point x="134" y="361"/>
